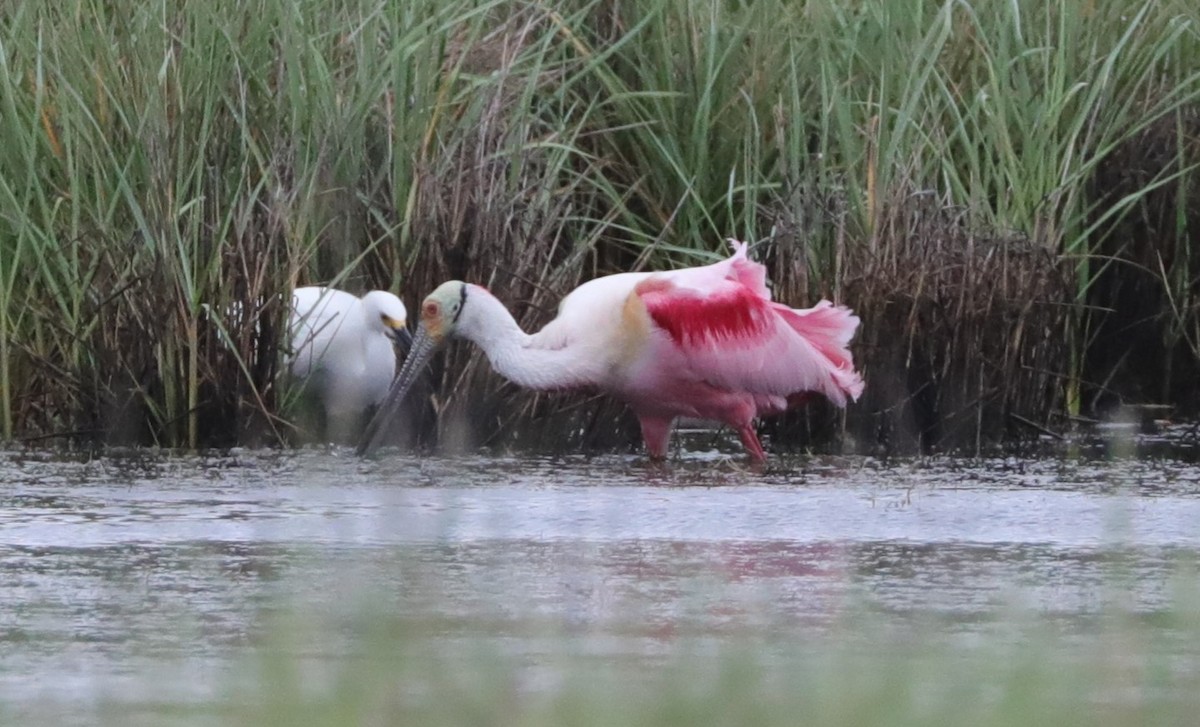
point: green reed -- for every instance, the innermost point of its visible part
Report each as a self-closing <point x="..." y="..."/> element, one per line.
<point x="162" y="161"/>
<point x="173" y="160"/>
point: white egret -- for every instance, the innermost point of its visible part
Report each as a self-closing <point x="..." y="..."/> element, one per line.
<point x="342" y="350"/>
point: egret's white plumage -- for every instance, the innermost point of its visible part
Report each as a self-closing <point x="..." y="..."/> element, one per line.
<point x="343" y="350"/>
<point x="705" y="342"/>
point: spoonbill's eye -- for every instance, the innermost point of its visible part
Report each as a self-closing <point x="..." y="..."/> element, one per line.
<point x="431" y="309"/>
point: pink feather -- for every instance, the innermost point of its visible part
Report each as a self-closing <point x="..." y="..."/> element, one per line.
<point x="723" y="329"/>
<point x="720" y="349"/>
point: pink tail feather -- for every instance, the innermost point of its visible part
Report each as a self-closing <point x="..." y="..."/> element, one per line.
<point x="829" y="328"/>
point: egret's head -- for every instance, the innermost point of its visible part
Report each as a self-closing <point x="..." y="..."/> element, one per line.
<point x="387" y="313"/>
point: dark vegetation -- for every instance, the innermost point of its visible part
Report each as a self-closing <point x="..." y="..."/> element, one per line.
<point x="1005" y="192"/>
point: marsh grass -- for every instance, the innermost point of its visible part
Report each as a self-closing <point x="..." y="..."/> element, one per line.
<point x="1022" y="670"/>
<point x="993" y="186"/>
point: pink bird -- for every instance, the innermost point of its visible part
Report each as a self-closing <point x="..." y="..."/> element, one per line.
<point x="704" y="342"/>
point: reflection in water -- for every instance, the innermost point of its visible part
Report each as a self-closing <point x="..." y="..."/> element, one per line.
<point x="116" y="568"/>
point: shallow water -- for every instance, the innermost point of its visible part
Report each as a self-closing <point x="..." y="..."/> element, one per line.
<point x="143" y="577"/>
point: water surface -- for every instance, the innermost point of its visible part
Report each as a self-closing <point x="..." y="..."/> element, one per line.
<point x="146" y="577"/>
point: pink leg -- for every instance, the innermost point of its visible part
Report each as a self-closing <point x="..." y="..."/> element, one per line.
<point x="739" y="413"/>
<point x="657" y="433"/>
<point x="751" y="443"/>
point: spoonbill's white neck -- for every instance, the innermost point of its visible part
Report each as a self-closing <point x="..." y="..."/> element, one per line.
<point x="526" y="360"/>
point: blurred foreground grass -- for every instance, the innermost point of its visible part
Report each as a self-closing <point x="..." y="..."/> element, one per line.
<point x="1111" y="669"/>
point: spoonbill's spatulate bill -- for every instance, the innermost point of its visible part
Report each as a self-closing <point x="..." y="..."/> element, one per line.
<point x="343" y="350"/>
<point x="704" y="342"/>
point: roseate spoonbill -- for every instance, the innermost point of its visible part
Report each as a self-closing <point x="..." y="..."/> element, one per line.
<point x="704" y="342"/>
<point x="342" y="350"/>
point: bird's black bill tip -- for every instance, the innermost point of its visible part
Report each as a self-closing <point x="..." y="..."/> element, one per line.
<point x="402" y="339"/>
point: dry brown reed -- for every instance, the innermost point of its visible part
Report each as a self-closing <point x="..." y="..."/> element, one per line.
<point x="1143" y="325"/>
<point x="964" y="335"/>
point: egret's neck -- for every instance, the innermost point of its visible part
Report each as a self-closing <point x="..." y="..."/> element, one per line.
<point x="370" y="326"/>
<point x="524" y="359"/>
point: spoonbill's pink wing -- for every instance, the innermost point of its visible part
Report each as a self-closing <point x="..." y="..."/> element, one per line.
<point x="737" y="268"/>
<point x="725" y="331"/>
